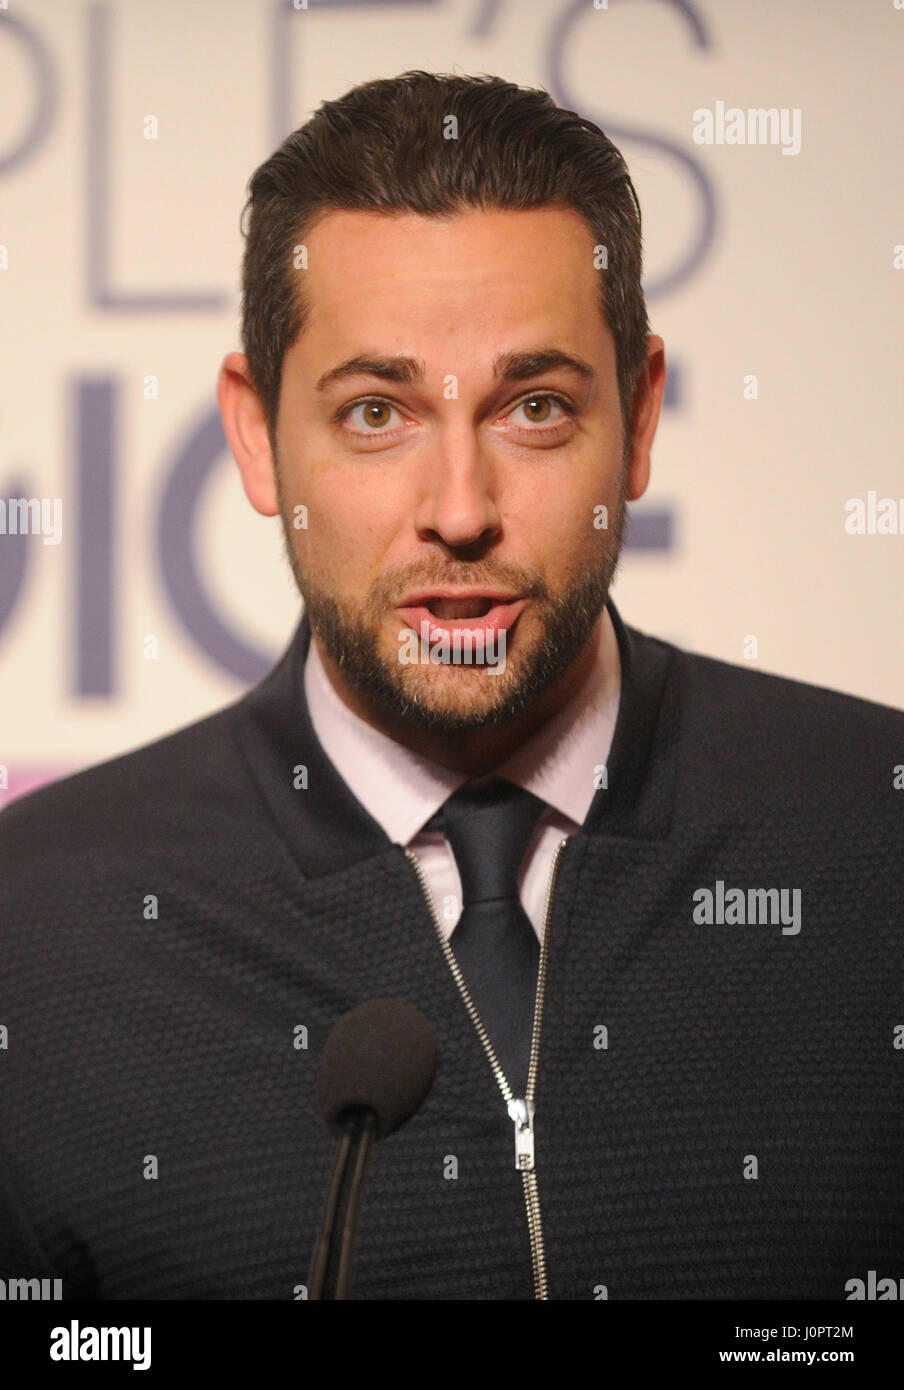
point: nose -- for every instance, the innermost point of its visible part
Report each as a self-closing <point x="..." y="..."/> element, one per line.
<point x="458" y="494"/>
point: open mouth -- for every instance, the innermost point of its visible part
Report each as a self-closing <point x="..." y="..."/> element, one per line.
<point x="459" y="607"/>
<point x="459" y="615"/>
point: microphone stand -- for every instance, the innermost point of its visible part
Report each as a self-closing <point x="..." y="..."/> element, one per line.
<point x="331" y="1269"/>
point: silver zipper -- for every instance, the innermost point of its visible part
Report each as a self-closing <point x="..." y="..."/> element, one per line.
<point x="521" y="1111"/>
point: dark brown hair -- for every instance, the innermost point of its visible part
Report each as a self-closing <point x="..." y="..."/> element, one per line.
<point x="382" y="148"/>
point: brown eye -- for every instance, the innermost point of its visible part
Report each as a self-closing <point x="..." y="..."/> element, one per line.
<point x="376" y="413"/>
<point x="537" y="403"/>
<point x="373" y="414"/>
<point x="538" y="410"/>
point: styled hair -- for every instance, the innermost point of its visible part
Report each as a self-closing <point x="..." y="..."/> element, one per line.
<point x="383" y="148"/>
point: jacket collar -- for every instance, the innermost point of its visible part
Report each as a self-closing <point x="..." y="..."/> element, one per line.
<point x="329" y="830"/>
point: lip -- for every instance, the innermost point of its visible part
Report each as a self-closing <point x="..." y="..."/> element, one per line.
<point x="500" y="618"/>
<point x="421" y="597"/>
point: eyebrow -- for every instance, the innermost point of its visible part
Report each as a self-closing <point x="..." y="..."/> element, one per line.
<point x="507" y="366"/>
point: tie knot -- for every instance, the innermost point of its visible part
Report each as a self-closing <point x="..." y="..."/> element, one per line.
<point x="489" y="828"/>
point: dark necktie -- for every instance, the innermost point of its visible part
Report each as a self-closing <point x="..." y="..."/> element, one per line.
<point x="489" y="828"/>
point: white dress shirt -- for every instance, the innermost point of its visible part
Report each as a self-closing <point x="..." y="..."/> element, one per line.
<point x="402" y="789"/>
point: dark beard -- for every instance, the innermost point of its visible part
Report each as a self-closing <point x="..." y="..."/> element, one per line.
<point x="406" y="691"/>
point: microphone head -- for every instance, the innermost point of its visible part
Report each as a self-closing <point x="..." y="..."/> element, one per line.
<point x="382" y="1055"/>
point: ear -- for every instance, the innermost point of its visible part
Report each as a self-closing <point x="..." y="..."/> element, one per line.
<point x="648" y="392"/>
<point x="245" y="424"/>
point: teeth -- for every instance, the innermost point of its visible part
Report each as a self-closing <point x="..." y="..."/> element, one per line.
<point x="460" y="607"/>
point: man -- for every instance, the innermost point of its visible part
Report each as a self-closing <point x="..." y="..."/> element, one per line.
<point x="648" y="902"/>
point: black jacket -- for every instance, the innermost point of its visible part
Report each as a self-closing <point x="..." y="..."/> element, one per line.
<point x="718" y="1105"/>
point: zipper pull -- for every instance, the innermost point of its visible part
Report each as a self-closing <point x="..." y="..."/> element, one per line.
<point x="522" y="1113"/>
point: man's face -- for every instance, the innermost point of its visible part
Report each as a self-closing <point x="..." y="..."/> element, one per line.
<point x="464" y="477"/>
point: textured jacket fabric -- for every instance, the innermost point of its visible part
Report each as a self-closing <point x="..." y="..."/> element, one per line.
<point x="718" y="1104"/>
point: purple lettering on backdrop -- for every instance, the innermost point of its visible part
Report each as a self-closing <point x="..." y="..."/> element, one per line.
<point x="650" y="527"/>
<point x="14" y="549"/>
<point x="46" y="91"/>
<point x="281" y="70"/>
<point x="13" y="556"/>
<point x="177" y="530"/>
<point x="93" y="632"/>
<point x="692" y="260"/>
<point x="97" y="216"/>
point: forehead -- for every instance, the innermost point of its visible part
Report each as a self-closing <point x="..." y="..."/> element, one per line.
<point x="476" y="276"/>
<point x="492" y="231"/>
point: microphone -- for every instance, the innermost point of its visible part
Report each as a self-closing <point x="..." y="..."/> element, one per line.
<point x="377" y="1069"/>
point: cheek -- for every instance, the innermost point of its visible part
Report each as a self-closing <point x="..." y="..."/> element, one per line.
<point x="557" y="523"/>
<point x="576" y="527"/>
<point x="348" y="530"/>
